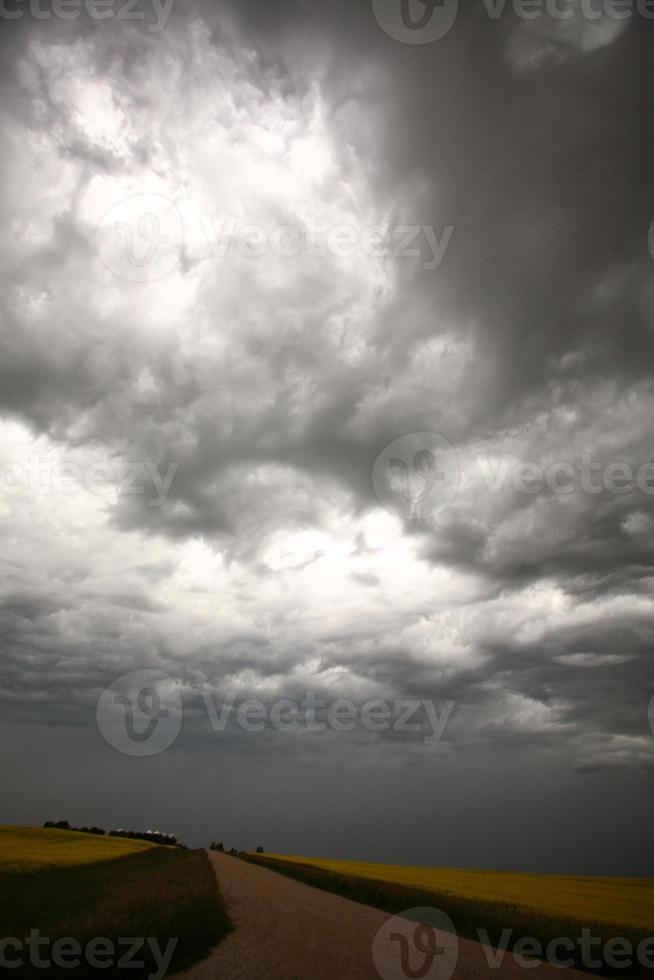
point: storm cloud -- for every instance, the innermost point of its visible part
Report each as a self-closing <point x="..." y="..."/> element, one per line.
<point x="188" y="449"/>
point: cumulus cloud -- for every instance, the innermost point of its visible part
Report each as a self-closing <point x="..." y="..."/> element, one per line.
<point x="187" y="458"/>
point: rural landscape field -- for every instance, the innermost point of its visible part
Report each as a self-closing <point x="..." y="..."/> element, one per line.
<point x="27" y="849"/>
<point x="622" y="904"/>
<point x="482" y="904"/>
<point x="75" y="886"/>
<point x="216" y="914"/>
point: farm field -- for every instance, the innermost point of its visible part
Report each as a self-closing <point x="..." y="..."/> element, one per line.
<point x="628" y="902"/>
<point x="489" y="905"/>
<point x="37" y="849"/>
<point x="72" y="885"/>
<point x="286" y="931"/>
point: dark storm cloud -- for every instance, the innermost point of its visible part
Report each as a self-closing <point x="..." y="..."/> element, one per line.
<point x="532" y="254"/>
<point x="272" y="397"/>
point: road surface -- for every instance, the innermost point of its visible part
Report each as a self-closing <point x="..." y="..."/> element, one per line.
<point x="285" y="930"/>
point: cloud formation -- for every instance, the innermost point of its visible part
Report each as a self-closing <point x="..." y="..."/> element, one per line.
<point x="251" y="387"/>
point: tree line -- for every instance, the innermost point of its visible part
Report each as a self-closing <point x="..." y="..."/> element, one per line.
<point x="151" y="836"/>
<point x="219" y="846"/>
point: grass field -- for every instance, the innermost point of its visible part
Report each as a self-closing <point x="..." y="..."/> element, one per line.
<point x="627" y="902"/>
<point x="540" y="906"/>
<point x="35" y="849"/>
<point x="74" y="885"/>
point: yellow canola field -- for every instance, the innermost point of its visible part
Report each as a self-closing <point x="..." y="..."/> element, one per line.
<point x="37" y="849"/>
<point x="587" y="900"/>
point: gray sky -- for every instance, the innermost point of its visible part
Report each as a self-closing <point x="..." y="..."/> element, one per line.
<point x="254" y="260"/>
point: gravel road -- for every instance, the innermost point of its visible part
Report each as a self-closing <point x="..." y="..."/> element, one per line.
<point x="289" y="931"/>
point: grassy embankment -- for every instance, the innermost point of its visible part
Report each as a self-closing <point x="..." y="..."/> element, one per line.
<point x="68" y="884"/>
<point x="540" y="906"/>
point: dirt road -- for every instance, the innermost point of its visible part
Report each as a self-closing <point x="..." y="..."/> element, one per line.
<point x="289" y="931"/>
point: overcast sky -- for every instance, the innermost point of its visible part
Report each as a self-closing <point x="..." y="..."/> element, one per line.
<point x="225" y="381"/>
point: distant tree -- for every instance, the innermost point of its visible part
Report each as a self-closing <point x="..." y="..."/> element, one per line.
<point x="49" y="823"/>
<point x="62" y="825"/>
<point x="259" y="850"/>
<point x="151" y="836"/>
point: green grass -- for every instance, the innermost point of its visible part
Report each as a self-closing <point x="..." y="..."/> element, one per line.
<point x="150" y="891"/>
<point x="539" y="906"/>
